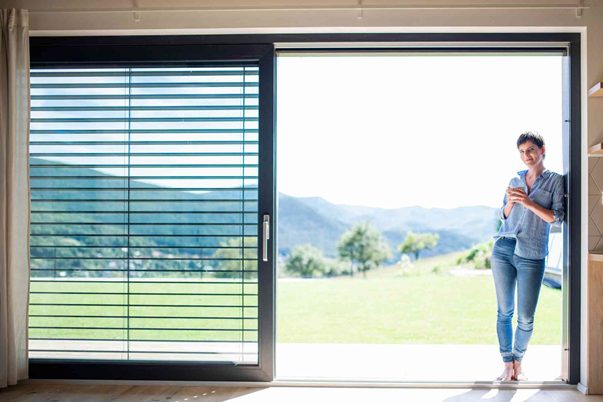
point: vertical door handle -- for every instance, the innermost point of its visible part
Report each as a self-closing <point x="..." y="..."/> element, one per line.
<point x="265" y="236"/>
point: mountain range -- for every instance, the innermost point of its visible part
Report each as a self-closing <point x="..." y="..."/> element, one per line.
<point x="300" y="220"/>
<point x="321" y="223"/>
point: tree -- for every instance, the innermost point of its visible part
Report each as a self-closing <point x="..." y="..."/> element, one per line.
<point x="232" y="260"/>
<point x="414" y="243"/>
<point x="306" y="261"/>
<point x="363" y="245"/>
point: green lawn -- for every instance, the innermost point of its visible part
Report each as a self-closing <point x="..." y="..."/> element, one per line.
<point x="387" y="307"/>
<point x="426" y="308"/>
<point x="157" y="311"/>
<point x="417" y="306"/>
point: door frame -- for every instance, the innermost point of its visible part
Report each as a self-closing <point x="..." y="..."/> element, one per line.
<point x="570" y="46"/>
<point x="66" y="50"/>
<point x="147" y="52"/>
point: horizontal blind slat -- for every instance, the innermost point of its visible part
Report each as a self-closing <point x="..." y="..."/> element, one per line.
<point x="145" y="179"/>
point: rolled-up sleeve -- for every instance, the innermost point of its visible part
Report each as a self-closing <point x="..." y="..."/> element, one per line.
<point x="559" y="201"/>
<point x="501" y="213"/>
<point x="502" y="209"/>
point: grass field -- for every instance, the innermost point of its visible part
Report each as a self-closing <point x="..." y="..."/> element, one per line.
<point x="427" y="303"/>
<point x="418" y="306"/>
<point x="157" y="311"/>
<point x="427" y="308"/>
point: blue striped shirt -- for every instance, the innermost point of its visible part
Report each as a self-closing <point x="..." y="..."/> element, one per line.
<point x="531" y="231"/>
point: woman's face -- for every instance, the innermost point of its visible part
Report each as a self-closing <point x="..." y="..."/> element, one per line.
<point x="531" y="154"/>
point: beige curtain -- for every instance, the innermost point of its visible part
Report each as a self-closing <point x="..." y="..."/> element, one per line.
<point x="14" y="195"/>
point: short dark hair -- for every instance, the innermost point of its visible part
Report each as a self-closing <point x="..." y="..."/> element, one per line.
<point x="531" y="136"/>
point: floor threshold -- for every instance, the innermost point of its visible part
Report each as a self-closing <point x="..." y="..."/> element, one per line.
<point x="422" y="384"/>
<point x="330" y="384"/>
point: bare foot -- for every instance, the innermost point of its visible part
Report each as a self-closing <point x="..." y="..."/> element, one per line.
<point x="518" y="374"/>
<point x="507" y="374"/>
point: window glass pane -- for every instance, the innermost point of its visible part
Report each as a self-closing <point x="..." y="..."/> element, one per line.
<point x="144" y="214"/>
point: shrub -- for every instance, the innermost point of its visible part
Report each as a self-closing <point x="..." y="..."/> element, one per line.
<point x="478" y="256"/>
<point x="335" y="268"/>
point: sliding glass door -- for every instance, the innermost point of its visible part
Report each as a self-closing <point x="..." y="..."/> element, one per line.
<point x="151" y="196"/>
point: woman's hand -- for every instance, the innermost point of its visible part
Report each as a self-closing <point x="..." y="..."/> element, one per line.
<point x="509" y="196"/>
<point x="517" y="195"/>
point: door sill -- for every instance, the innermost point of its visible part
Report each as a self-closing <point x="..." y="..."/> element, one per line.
<point x="334" y="383"/>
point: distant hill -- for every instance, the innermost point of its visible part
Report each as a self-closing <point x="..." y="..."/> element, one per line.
<point x="321" y="223"/>
<point x="300" y="220"/>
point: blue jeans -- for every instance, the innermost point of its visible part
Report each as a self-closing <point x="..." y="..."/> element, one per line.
<point x="509" y="271"/>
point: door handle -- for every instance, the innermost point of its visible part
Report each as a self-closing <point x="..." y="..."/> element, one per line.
<point x="265" y="236"/>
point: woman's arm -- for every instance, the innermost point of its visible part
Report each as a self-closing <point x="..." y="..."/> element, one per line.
<point x="507" y="209"/>
<point x="559" y="200"/>
<point x="519" y="196"/>
<point x="546" y="215"/>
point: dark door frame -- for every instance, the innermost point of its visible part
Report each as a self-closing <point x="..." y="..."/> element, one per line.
<point x="62" y="51"/>
<point x="149" y="54"/>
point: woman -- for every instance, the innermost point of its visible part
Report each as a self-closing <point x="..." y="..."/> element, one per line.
<point x="533" y="201"/>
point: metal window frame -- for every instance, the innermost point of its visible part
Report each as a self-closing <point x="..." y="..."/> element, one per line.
<point x="149" y="55"/>
<point x="147" y="50"/>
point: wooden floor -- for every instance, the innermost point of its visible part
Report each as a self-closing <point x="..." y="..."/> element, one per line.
<point x="55" y="392"/>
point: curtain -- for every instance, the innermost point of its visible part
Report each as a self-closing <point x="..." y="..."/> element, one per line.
<point x="14" y="195"/>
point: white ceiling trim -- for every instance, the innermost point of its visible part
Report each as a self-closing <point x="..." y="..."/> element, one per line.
<point x="310" y="30"/>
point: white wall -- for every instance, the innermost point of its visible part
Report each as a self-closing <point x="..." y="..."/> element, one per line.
<point x="115" y="17"/>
